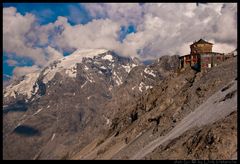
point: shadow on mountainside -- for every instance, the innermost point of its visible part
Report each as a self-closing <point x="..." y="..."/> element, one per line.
<point x="19" y="106"/>
<point x="27" y="131"/>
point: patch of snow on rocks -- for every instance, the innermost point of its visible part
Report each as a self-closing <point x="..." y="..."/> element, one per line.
<point x="134" y="65"/>
<point x="107" y="120"/>
<point x="128" y="67"/>
<point x="53" y="136"/>
<point x="89" y="97"/>
<point x="141" y="86"/>
<point x="102" y="67"/>
<point x="71" y="72"/>
<point x="84" y="84"/>
<point x="118" y="80"/>
<point x="39" y="110"/>
<point x="150" y="72"/>
<point x="148" y="87"/>
<point x="86" y="68"/>
<point x="25" y="87"/>
<point x="90" y="80"/>
<point x="108" y="57"/>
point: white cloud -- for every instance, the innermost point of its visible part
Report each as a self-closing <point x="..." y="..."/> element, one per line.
<point x="167" y="34"/>
<point x="53" y="54"/>
<point x="101" y="33"/>
<point x="224" y="27"/>
<point x="223" y="47"/>
<point x="23" y="38"/>
<point x="125" y="13"/>
<point x="15" y="29"/>
<point x="162" y="29"/>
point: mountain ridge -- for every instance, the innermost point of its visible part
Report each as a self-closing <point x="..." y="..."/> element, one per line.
<point x="107" y="107"/>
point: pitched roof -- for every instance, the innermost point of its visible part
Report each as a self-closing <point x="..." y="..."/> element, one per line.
<point x="201" y="41"/>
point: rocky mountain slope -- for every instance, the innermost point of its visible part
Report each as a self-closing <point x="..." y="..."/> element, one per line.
<point x="166" y="111"/>
<point x="207" y="143"/>
<point x="94" y="104"/>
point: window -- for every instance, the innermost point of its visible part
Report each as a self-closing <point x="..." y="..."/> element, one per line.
<point x="204" y="65"/>
<point x="207" y="59"/>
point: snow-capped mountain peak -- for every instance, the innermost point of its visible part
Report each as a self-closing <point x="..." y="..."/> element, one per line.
<point x="68" y="63"/>
<point x="90" y="65"/>
<point x="88" y="53"/>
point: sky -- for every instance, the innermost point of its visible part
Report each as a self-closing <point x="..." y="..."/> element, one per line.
<point x="35" y="34"/>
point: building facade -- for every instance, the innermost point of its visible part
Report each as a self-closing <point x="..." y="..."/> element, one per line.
<point x="201" y="56"/>
<point x="201" y="46"/>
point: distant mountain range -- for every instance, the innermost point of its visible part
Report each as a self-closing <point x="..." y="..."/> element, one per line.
<point x="95" y="104"/>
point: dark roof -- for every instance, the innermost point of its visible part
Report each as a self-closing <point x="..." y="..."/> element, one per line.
<point x="201" y="41"/>
<point x="214" y="53"/>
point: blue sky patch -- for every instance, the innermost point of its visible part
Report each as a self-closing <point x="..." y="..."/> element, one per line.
<point x="125" y="31"/>
<point x="6" y="68"/>
<point x="48" y="12"/>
